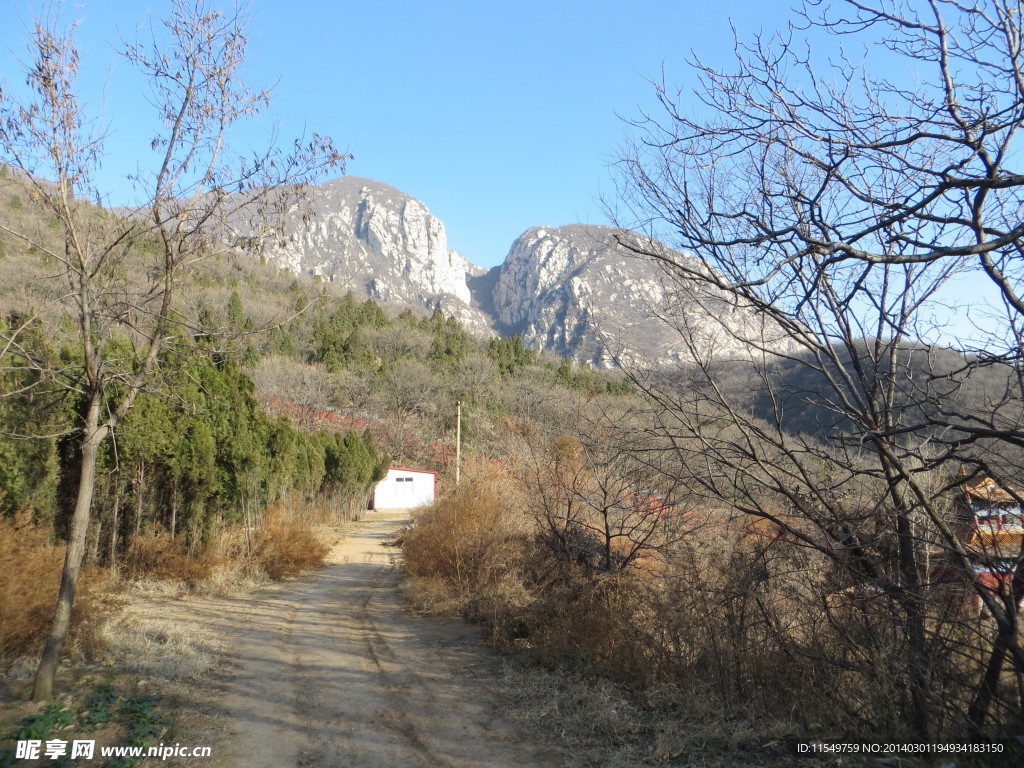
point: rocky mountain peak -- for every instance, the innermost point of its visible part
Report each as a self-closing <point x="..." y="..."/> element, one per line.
<point x="371" y="238"/>
<point x="576" y="290"/>
<point x="573" y="290"/>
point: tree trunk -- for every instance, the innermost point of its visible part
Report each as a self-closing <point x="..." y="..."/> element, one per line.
<point x="93" y="436"/>
<point x="138" y="499"/>
<point x="113" y="540"/>
<point x="113" y="535"/>
<point x="917" y="643"/>
<point x="174" y="508"/>
<point x="96" y="541"/>
<point x="988" y="686"/>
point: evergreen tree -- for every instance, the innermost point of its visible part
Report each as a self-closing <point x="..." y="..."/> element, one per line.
<point x="237" y="319"/>
<point x="510" y="354"/>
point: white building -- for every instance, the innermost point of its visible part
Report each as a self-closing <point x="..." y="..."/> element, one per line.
<point x="404" y="488"/>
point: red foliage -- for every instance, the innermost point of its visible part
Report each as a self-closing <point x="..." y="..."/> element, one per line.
<point x="310" y="417"/>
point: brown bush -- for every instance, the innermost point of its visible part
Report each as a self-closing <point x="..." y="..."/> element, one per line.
<point x="165" y="557"/>
<point x="463" y="537"/>
<point x="282" y="549"/>
<point x="283" y="545"/>
<point x="31" y="566"/>
<point x="465" y="555"/>
<point x="601" y="621"/>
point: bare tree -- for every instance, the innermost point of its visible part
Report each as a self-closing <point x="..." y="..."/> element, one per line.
<point x="596" y="493"/>
<point x="839" y="165"/>
<point x="118" y="273"/>
<point x="839" y="205"/>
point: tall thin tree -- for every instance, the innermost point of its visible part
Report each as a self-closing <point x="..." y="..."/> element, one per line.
<point x="117" y="274"/>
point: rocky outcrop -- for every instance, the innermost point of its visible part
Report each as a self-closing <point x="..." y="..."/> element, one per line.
<point x="572" y="290"/>
<point x="373" y="239"/>
<point x="575" y="290"/>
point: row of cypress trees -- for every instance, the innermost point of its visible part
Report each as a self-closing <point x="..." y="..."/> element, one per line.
<point x="196" y="454"/>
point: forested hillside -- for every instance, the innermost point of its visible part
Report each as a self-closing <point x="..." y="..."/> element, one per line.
<point x="197" y="457"/>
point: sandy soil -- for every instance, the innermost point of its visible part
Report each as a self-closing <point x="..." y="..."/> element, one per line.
<point x="329" y="670"/>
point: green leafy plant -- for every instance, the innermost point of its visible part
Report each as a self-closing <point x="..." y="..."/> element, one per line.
<point x="99" y="708"/>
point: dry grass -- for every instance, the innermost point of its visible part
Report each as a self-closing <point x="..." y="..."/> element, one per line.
<point x="153" y="645"/>
<point x="284" y="545"/>
<point x="151" y="640"/>
<point x="163" y="557"/>
<point x="31" y="566"/>
<point x="153" y="566"/>
<point x="458" y="538"/>
<point x="230" y="577"/>
<point x="601" y="723"/>
<point x="283" y="549"/>
<point x="144" y="639"/>
<point x="463" y="555"/>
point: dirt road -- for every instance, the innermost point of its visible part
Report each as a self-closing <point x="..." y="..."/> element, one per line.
<point x="328" y="670"/>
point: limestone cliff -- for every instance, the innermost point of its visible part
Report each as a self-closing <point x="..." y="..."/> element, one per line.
<point x="575" y="290"/>
<point x="571" y="290"/>
<point x="371" y="238"/>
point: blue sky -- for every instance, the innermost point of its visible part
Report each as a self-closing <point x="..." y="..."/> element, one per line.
<point x="499" y="116"/>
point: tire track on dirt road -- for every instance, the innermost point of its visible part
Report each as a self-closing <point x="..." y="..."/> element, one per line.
<point x="328" y="670"/>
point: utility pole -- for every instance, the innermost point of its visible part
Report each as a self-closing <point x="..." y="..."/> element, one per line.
<point x="458" y="440"/>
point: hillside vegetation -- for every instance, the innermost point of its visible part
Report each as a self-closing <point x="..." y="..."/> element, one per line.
<point x="648" y="534"/>
<point x="199" y="475"/>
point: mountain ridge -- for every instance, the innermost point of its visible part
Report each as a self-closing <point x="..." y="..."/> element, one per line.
<point x="573" y="290"/>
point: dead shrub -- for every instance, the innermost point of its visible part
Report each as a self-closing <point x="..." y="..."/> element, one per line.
<point x="466" y="553"/>
<point x="31" y="565"/>
<point x="502" y="601"/>
<point x="472" y="552"/>
<point x="282" y="549"/>
<point x="283" y="545"/>
<point x="736" y="634"/>
<point x="602" y="621"/>
<point x="725" y="611"/>
<point x="462" y="538"/>
<point x="456" y="538"/>
<point x="166" y="557"/>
